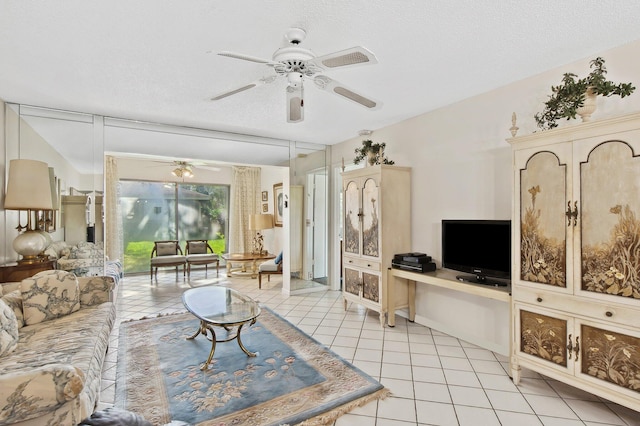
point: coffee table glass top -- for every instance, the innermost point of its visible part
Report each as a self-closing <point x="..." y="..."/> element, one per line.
<point x="220" y="305"/>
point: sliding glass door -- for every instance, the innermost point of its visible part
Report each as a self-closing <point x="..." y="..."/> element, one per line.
<point x="156" y="211"/>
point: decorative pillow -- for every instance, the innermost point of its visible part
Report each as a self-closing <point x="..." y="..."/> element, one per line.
<point x="14" y="301"/>
<point x="8" y="329"/>
<point x="49" y="295"/>
<point x="198" y="248"/>
<point x="279" y="259"/>
<point x="166" y="249"/>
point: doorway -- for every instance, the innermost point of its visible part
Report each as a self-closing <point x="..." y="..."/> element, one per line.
<point x="316" y="249"/>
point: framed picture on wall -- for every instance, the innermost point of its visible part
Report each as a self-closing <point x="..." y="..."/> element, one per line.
<point x="265" y="208"/>
<point x="278" y="204"/>
<point x="265" y="196"/>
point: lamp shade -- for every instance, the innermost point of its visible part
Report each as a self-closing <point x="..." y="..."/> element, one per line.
<point x="258" y="222"/>
<point x="29" y="187"/>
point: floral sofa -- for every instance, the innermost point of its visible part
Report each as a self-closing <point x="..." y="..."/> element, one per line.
<point x="53" y="341"/>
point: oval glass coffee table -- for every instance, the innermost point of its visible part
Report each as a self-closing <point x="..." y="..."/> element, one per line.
<point x="220" y="307"/>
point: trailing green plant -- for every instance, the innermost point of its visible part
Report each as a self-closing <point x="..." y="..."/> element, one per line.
<point x="372" y="152"/>
<point x="570" y="94"/>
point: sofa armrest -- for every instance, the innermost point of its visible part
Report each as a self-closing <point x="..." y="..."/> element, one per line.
<point x="96" y="290"/>
<point x="29" y="393"/>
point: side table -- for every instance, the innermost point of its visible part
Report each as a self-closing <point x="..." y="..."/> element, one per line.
<point x="19" y="271"/>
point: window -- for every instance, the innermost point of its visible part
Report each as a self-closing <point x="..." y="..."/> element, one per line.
<point x="154" y="211"/>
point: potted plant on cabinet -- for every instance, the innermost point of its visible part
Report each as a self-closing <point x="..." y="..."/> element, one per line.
<point x="577" y="96"/>
<point x="372" y="152"/>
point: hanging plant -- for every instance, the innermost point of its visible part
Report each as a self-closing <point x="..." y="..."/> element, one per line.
<point x="372" y="152"/>
<point x="570" y="95"/>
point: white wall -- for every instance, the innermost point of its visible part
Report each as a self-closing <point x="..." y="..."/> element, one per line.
<point x="461" y="169"/>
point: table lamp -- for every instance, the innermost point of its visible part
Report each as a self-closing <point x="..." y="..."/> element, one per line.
<point x="28" y="188"/>
<point x="258" y="222"/>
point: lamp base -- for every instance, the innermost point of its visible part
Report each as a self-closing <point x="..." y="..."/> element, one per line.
<point x="29" y="245"/>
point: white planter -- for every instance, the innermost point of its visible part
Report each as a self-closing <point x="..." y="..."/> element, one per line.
<point x="589" y="106"/>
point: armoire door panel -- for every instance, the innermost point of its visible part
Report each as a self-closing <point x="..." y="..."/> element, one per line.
<point x="371" y="287"/>
<point x="543" y="220"/>
<point x="352" y="218"/>
<point x="611" y="356"/>
<point x="370" y="219"/>
<point x="543" y="336"/>
<point x="352" y="281"/>
<point x="610" y="220"/>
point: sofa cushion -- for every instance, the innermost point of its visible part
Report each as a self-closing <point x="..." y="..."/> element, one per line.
<point x="168" y="260"/>
<point x="14" y="301"/>
<point x="49" y="295"/>
<point x="8" y="329"/>
<point x="268" y="266"/>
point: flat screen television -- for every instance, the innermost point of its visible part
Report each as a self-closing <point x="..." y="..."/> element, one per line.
<point x="480" y="248"/>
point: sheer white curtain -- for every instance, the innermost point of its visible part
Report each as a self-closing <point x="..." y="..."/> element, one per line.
<point x="112" y="217"/>
<point x="245" y="201"/>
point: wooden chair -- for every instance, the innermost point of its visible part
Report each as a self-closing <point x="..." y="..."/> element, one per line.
<point x="167" y="254"/>
<point x="199" y="252"/>
<point x="268" y="268"/>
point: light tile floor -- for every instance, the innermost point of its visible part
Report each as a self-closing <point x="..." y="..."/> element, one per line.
<point x="435" y="379"/>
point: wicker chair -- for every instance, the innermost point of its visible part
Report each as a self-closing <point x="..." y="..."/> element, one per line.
<point x="167" y="254"/>
<point x="199" y="252"/>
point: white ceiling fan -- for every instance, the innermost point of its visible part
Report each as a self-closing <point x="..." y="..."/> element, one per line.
<point x="185" y="168"/>
<point x="298" y="65"/>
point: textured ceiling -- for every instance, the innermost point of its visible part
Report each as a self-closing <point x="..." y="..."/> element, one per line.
<point x="155" y="60"/>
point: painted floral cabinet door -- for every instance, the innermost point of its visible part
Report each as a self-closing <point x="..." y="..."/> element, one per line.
<point x="544" y="234"/>
<point x="546" y="336"/>
<point x="370" y="215"/>
<point x="610" y="220"/>
<point x="361" y="227"/>
<point x="352" y="215"/>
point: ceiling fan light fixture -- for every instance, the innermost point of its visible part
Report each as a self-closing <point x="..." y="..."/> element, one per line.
<point x="183" y="171"/>
<point x="294" y="79"/>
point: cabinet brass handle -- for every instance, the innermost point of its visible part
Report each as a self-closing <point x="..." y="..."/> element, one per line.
<point x="570" y="346"/>
<point x="572" y="213"/>
<point x="609" y="313"/>
<point x="576" y="349"/>
<point x="539" y="299"/>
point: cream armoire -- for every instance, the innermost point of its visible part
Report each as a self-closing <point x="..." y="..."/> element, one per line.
<point x="377" y="225"/>
<point x="576" y="256"/>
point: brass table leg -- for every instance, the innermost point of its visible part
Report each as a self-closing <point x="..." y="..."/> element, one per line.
<point x="213" y="349"/>
<point x="205" y="328"/>
<point x="245" y="350"/>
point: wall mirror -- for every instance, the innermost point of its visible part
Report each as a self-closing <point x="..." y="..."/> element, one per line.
<point x="69" y="144"/>
<point x="74" y="145"/>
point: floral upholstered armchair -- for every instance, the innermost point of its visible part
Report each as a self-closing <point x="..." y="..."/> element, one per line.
<point x="83" y="259"/>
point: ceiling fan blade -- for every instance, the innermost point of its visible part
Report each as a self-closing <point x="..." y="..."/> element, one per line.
<point x="295" y="104"/>
<point x="345" y="58"/>
<point x="244" y="57"/>
<point x="258" y="82"/>
<point x="332" y="86"/>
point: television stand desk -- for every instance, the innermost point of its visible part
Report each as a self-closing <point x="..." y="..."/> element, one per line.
<point x="445" y="278"/>
<point x="440" y="278"/>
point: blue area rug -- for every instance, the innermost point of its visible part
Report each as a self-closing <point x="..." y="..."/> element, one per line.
<point x="293" y="380"/>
